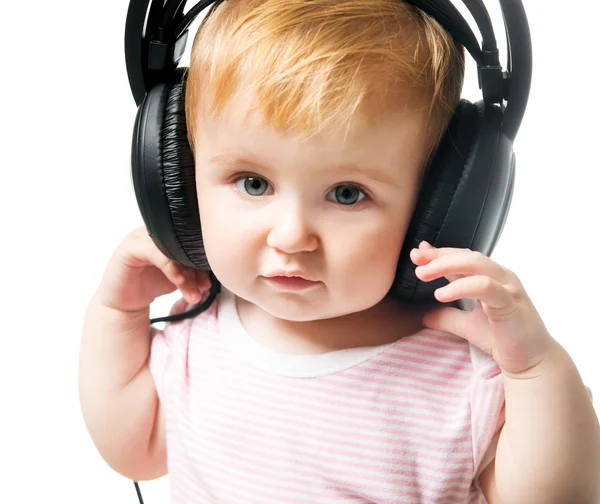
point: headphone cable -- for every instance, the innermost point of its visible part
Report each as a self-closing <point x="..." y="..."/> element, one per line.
<point x="215" y="289"/>
<point x="139" y="494"/>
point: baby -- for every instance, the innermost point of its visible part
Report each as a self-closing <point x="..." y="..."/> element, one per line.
<point x="311" y="124"/>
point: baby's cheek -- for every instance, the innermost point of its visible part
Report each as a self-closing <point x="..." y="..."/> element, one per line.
<point x="371" y="265"/>
<point x="220" y="244"/>
<point x="233" y="251"/>
<point x="215" y="235"/>
<point x="383" y="246"/>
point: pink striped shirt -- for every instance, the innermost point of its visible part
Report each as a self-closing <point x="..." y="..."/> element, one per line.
<point x="414" y="421"/>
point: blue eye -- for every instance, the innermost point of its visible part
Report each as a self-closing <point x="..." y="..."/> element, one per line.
<point x="348" y="195"/>
<point x="254" y="186"/>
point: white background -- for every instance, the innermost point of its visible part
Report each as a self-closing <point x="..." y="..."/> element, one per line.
<point x="67" y="115"/>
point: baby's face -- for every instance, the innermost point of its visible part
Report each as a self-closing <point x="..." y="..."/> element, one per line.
<point x="335" y="207"/>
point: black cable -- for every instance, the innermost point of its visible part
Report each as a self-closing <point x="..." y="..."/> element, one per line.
<point x="191" y="15"/>
<point x="139" y="494"/>
<point x="153" y="27"/>
<point x="517" y="25"/>
<point x="171" y="10"/>
<point x="484" y="23"/>
<point x="447" y="15"/>
<point x="215" y="289"/>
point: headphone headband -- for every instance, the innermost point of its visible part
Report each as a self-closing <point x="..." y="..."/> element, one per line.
<point x="152" y="54"/>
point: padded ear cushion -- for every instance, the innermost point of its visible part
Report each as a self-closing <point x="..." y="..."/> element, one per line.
<point x="449" y="167"/>
<point x="180" y="179"/>
<point x="163" y="176"/>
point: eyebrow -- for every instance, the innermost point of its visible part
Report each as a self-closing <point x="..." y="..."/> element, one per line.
<point x="229" y="159"/>
<point x="374" y="173"/>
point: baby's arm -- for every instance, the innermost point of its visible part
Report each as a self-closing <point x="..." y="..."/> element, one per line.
<point x="117" y="394"/>
<point x="116" y="389"/>
<point x="549" y="448"/>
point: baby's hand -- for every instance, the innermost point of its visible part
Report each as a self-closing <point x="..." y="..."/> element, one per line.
<point x="138" y="272"/>
<point x="504" y="324"/>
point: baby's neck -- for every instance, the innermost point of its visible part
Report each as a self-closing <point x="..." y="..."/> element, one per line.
<point x="384" y="323"/>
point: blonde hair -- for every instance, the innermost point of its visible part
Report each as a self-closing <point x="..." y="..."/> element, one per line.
<point x="311" y="63"/>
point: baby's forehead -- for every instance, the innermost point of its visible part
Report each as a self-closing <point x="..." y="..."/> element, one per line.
<point x="243" y="112"/>
<point x="240" y="137"/>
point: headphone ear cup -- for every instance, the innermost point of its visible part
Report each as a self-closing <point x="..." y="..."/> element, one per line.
<point x="180" y="179"/>
<point x="163" y="176"/>
<point x="445" y="173"/>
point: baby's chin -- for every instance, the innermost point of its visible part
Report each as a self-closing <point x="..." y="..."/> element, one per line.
<point x="306" y="307"/>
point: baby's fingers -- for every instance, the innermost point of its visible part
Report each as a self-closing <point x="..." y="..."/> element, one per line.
<point x="187" y="285"/>
<point x="202" y="280"/>
<point x="181" y="277"/>
<point x="186" y="280"/>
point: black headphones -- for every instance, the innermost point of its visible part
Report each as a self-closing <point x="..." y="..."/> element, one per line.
<point x="467" y="190"/>
<point x="468" y="186"/>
